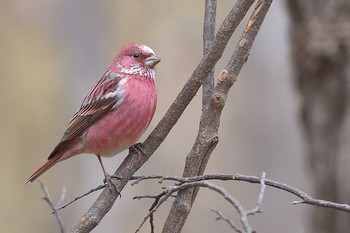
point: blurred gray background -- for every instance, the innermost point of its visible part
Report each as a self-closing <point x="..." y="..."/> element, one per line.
<point x="52" y="52"/>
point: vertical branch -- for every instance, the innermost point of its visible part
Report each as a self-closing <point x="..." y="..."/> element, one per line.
<point x="207" y="137"/>
<point x="208" y="37"/>
<point x="208" y="85"/>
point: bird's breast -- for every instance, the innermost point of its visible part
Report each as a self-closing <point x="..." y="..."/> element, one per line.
<point x="123" y="126"/>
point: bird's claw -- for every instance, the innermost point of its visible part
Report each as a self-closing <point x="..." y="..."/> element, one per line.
<point x="139" y="148"/>
<point x="108" y="180"/>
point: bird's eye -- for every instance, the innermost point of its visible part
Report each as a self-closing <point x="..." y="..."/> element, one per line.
<point x="135" y="55"/>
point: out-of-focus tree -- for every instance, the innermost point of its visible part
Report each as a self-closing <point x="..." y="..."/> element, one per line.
<point x="320" y="41"/>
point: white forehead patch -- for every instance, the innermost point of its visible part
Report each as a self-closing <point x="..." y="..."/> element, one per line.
<point x="147" y="49"/>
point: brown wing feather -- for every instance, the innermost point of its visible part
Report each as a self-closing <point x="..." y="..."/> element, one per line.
<point x="86" y="116"/>
<point x="93" y="108"/>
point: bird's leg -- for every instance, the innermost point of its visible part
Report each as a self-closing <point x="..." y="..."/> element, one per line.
<point x="108" y="178"/>
<point x="139" y="148"/>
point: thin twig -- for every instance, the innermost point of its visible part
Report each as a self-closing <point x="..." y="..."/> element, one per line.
<point x="306" y="199"/>
<point x="150" y="215"/>
<point x="145" y="196"/>
<point x="157" y="197"/>
<point x="138" y="179"/>
<point x="62" y="206"/>
<point x="162" y="198"/>
<point x="222" y="217"/>
<point x="148" y="196"/>
<point x="48" y="199"/>
<point x="171" y="189"/>
<point x="63" y="196"/>
<point x="258" y="207"/>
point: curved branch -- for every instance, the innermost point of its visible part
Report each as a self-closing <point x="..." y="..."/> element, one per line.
<point x="162" y="197"/>
<point x="305" y="198"/>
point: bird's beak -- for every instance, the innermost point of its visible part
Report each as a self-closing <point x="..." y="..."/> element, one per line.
<point x="151" y="61"/>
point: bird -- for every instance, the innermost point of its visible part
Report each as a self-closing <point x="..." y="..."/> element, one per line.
<point x="114" y="114"/>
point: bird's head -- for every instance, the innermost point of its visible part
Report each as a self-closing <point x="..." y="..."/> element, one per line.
<point x="136" y="59"/>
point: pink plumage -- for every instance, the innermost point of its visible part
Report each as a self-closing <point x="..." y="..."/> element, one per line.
<point x="115" y="112"/>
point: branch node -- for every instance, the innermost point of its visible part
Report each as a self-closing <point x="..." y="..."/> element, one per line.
<point x="223" y="76"/>
<point x="161" y="179"/>
<point x="219" y="99"/>
<point x="299" y="202"/>
<point x="222" y="217"/>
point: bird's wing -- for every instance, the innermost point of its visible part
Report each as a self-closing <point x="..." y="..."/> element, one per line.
<point x="105" y="95"/>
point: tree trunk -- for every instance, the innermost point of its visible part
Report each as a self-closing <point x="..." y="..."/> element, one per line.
<point x="320" y="39"/>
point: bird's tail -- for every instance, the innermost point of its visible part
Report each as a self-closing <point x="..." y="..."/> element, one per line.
<point x="43" y="169"/>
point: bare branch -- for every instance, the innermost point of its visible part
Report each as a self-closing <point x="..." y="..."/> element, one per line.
<point x="62" y="206"/>
<point x="257" y="209"/>
<point x="160" y="177"/>
<point x="161" y="198"/>
<point x="208" y="37"/>
<point x="148" y="196"/>
<point x="48" y="199"/>
<point x="152" y="209"/>
<point x="222" y="217"/>
<point x="207" y="137"/>
<point x="306" y="199"/>
<point x="203" y="183"/>
<point x="145" y="196"/>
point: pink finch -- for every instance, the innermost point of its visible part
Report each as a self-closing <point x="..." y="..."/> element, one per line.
<point x="115" y="112"/>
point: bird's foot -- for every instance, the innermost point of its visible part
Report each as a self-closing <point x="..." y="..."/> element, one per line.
<point x="139" y="148"/>
<point x="108" y="180"/>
